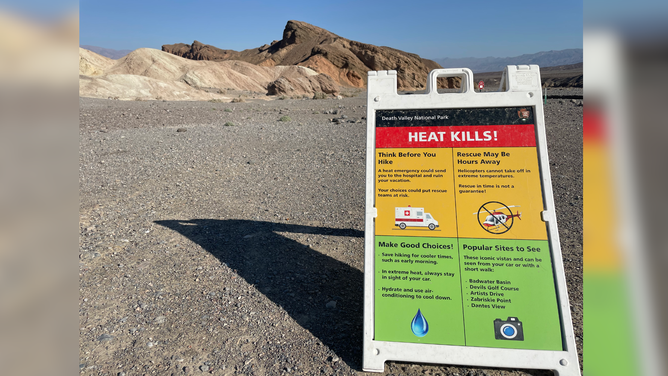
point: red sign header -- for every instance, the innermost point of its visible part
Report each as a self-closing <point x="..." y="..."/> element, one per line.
<point x="456" y="136"/>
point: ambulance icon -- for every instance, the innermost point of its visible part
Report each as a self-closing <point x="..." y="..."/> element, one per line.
<point x="413" y="217"/>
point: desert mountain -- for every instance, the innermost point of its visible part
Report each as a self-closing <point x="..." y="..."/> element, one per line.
<point x="493" y="64"/>
<point x="107" y="52"/>
<point x="344" y="60"/>
<point x="152" y="74"/>
<point x="559" y="76"/>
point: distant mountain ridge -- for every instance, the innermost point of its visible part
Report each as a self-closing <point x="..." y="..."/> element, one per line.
<point x="107" y="52"/>
<point x="559" y="76"/>
<point x="494" y="64"/>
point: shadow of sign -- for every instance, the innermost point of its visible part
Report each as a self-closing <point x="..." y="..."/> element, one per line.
<point x="296" y="277"/>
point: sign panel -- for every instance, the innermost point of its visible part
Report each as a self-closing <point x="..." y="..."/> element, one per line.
<point x="458" y="251"/>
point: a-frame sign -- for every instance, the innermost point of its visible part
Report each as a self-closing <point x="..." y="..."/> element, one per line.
<point x="462" y="257"/>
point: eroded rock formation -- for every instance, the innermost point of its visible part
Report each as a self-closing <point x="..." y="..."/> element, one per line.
<point x="345" y="61"/>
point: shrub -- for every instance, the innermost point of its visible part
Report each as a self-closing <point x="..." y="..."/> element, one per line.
<point x="227" y="110"/>
<point x="229" y="124"/>
<point x="319" y="95"/>
<point x="237" y="100"/>
<point x="285" y="118"/>
<point x="350" y="94"/>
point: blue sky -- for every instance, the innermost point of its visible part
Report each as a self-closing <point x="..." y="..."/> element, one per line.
<point x="432" y="29"/>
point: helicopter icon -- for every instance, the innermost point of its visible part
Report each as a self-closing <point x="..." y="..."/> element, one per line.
<point x="499" y="220"/>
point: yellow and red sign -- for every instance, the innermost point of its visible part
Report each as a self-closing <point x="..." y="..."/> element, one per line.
<point x="476" y="181"/>
<point x="459" y="230"/>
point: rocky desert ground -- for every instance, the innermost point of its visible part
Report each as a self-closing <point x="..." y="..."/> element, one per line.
<point x="227" y="238"/>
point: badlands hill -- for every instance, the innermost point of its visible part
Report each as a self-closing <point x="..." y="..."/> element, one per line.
<point x="345" y="61"/>
<point x="152" y="74"/>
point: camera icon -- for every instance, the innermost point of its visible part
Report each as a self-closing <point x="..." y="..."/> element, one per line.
<point x="510" y="329"/>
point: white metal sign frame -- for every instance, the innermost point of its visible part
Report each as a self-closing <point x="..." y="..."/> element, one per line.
<point x="520" y="86"/>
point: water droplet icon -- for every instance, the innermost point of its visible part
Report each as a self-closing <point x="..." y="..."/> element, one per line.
<point x="419" y="325"/>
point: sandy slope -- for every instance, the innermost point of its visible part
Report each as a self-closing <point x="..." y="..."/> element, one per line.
<point x="152" y="74"/>
<point x="92" y="64"/>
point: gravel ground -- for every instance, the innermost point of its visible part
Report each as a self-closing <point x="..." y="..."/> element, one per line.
<point x="216" y="239"/>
